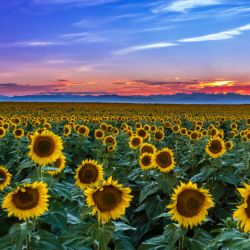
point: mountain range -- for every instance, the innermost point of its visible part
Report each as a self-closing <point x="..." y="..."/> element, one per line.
<point x="195" y="98"/>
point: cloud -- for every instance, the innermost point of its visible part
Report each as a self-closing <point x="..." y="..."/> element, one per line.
<point x="83" y="36"/>
<point x="143" y="47"/>
<point x="20" y="89"/>
<point x="184" y="5"/>
<point x="152" y="83"/>
<point x="31" y="44"/>
<point x="228" y="34"/>
<point x="75" y="2"/>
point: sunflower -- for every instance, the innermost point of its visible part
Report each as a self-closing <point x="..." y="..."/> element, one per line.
<point x="5" y="178"/>
<point x="159" y="135"/>
<point x="88" y="173"/>
<point x="147" y="148"/>
<point x="146" y="161"/>
<point x="135" y="141"/>
<point x="59" y="164"/>
<point x="109" y="139"/>
<point x="142" y="133"/>
<point x="108" y="200"/>
<point x="45" y="148"/>
<point x="99" y="134"/>
<point x="215" y="147"/>
<point x="18" y="133"/>
<point x="229" y="145"/>
<point x="67" y="130"/>
<point x="27" y="201"/>
<point x="110" y="148"/>
<point x="2" y="132"/>
<point x="190" y="204"/>
<point x="242" y="214"/>
<point x="164" y="160"/>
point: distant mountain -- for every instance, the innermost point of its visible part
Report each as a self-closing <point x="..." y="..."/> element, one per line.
<point x="195" y="98"/>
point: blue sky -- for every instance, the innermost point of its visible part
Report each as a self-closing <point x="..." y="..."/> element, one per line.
<point x="124" y="47"/>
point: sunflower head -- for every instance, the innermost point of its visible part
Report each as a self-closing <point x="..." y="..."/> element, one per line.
<point x="242" y="213"/>
<point x="59" y="164"/>
<point x="147" y="148"/>
<point x="109" y="200"/>
<point x="99" y="134"/>
<point x="18" y="133"/>
<point x="109" y="140"/>
<point x="45" y="148"/>
<point x="164" y="160"/>
<point x="146" y="161"/>
<point x="27" y="201"/>
<point x="5" y="178"/>
<point x="67" y="130"/>
<point x="215" y="147"/>
<point x="190" y="204"/>
<point x="159" y="135"/>
<point x="135" y="141"/>
<point x="89" y="173"/>
<point x="2" y="132"/>
<point x="142" y="133"/>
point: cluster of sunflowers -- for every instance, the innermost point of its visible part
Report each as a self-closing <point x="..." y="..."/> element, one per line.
<point x="145" y="138"/>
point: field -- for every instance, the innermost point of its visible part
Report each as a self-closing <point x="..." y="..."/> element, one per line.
<point x="123" y="176"/>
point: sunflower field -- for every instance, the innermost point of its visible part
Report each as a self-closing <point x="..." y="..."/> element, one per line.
<point x="124" y="176"/>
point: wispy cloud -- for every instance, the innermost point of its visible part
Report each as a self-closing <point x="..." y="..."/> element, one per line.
<point x="184" y="5"/>
<point x="83" y="37"/>
<point x="78" y="2"/>
<point x="228" y="34"/>
<point x="143" y="47"/>
<point x="35" y="43"/>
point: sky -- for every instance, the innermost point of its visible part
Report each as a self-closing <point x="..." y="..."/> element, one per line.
<point x="124" y="47"/>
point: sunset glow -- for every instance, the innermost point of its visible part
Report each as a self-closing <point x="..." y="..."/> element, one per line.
<point x="124" y="47"/>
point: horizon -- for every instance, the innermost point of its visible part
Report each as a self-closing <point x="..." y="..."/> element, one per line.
<point x="124" y="48"/>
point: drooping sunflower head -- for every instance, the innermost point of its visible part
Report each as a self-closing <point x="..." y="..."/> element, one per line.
<point x="99" y="134"/>
<point x="190" y="204"/>
<point x="5" y="178"/>
<point x="215" y="147"/>
<point x="2" y="132"/>
<point x="45" y="148"/>
<point x="147" y="148"/>
<point x="146" y="161"/>
<point x="59" y="164"/>
<point x="108" y="200"/>
<point x="27" y="201"/>
<point x="18" y="133"/>
<point x="164" y="160"/>
<point x="90" y="172"/>
<point x="242" y="214"/>
<point x="135" y="141"/>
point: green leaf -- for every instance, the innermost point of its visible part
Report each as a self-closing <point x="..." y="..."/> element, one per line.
<point x="19" y="232"/>
<point x="45" y="240"/>
<point x="103" y="233"/>
<point x="147" y="191"/>
<point x="155" y="243"/>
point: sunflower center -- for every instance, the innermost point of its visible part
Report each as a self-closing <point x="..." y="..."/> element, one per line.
<point x="107" y="199"/>
<point x="26" y="200"/>
<point x="136" y="142"/>
<point x="88" y="173"/>
<point x="3" y="176"/>
<point x="158" y="135"/>
<point x="142" y="133"/>
<point x="18" y="132"/>
<point x="247" y="209"/>
<point x="109" y="140"/>
<point x="66" y="130"/>
<point x="189" y="203"/>
<point x="215" y="147"/>
<point x="164" y="159"/>
<point x="146" y="160"/>
<point x="44" y="146"/>
<point x="99" y="134"/>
